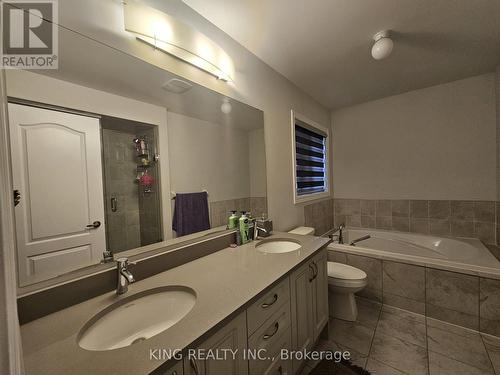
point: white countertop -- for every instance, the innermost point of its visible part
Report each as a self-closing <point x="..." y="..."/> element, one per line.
<point x="223" y="281"/>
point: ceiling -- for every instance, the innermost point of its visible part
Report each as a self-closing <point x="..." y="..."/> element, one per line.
<point x="323" y="46"/>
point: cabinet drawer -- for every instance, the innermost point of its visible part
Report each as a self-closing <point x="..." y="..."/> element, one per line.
<point x="279" y="367"/>
<point x="270" y="302"/>
<point x="272" y="361"/>
<point x="177" y="369"/>
<point x="267" y="334"/>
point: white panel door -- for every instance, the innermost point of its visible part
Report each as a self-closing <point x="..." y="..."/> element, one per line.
<point x="56" y="160"/>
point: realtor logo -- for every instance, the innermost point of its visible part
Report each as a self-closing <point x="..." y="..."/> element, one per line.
<point x="29" y="34"/>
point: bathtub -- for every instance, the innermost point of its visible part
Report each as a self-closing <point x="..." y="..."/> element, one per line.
<point x="465" y="255"/>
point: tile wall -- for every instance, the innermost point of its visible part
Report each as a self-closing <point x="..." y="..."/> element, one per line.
<point x="465" y="300"/>
<point x="219" y="211"/>
<point x="439" y="217"/>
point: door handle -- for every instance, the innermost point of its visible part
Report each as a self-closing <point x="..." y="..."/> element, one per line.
<point x="17" y="197"/>
<point x="315" y="266"/>
<point x="312" y="269"/>
<point x="94" y="225"/>
<point x="114" y="204"/>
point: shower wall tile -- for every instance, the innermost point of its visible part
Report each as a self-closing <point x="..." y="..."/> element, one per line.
<point x="485" y="231"/>
<point x="462" y="210"/>
<point x="419" y="209"/>
<point x="383" y="222"/>
<point x="367" y="207"/>
<point x="462" y="228"/>
<point x="400" y="208"/>
<point x="440" y="227"/>
<point x="484" y="211"/>
<point x="319" y="215"/>
<point x="367" y="221"/>
<point x="419" y="225"/>
<point x="439" y="209"/>
<point x="401" y="224"/>
<point x="383" y="208"/>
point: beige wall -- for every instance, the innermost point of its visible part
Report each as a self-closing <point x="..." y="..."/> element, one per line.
<point x="257" y="161"/>
<point x="208" y="156"/>
<point x="255" y="83"/>
<point x="434" y="143"/>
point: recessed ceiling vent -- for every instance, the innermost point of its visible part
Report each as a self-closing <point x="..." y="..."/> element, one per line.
<point x="177" y="86"/>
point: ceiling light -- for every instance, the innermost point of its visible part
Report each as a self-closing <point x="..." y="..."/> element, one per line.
<point x="383" y="45"/>
<point x="226" y="107"/>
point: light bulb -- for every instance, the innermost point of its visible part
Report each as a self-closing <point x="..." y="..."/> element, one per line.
<point x="226" y="107"/>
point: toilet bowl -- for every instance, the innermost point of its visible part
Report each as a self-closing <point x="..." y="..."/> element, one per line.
<point x="343" y="282"/>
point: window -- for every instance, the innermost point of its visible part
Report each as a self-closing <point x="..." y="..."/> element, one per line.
<point x="310" y="159"/>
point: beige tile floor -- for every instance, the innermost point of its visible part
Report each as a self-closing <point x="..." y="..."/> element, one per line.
<point x="390" y="341"/>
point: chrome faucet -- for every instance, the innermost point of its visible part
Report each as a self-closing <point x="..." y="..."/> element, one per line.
<point x="340" y="235"/>
<point x="257" y="229"/>
<point x="124" y="275"/>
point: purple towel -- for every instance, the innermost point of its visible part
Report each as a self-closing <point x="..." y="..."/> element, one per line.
<point x="190" y="213"/>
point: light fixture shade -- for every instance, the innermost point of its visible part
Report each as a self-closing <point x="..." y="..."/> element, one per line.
<point x="169" y="35"/>
<point x="226" y="107"/>
<point x="382" y="48"/>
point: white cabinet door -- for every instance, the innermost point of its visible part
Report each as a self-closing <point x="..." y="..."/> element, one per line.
<point x="233" y="336"/>
<point x="320" y="292"/>
<point x="301" y="310"/>
<point x="56" y="160"/>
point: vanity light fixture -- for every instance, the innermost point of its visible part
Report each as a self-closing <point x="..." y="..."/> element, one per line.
<point x="167" y="34"/>
<point x="383" y="45"/>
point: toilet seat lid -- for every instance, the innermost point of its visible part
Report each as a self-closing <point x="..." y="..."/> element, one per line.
<point x="345" y="272"/>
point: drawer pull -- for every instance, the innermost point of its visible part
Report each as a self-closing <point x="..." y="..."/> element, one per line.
<point x="194" y="366"/>
<point x="276" y="328"/>
<point x="312" y="269"/>
<point x="266" y="305"/>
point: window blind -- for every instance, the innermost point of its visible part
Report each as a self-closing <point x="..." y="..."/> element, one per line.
<point x="310" y="152"/>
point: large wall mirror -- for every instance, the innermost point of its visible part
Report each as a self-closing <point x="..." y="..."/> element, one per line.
<point x="110" y="153"/>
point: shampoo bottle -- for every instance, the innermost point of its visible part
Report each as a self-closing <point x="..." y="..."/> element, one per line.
<point x="244" y="228"/>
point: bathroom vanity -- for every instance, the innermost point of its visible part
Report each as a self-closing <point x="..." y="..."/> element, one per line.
<point x="244" y="299"/>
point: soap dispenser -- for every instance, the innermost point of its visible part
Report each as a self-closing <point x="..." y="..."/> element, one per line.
<point x="233" y="220"/>
<point x="244" y="228"/>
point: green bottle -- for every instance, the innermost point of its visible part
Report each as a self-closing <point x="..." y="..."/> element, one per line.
<point x="244" y="228"/>
<point x="233" y="220"/>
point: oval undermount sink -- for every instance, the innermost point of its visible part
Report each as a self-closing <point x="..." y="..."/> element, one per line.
<point x="278" y="245"/>
<point x="137" y="318"/>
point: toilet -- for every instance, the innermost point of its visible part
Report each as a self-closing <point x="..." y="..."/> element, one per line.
<point x="343" y="282"/>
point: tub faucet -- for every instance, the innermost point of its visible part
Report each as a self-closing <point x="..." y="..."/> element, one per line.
<point x="353" y="243"/>
<point x="340" y="236"/>
<point x="124" y="275"/>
